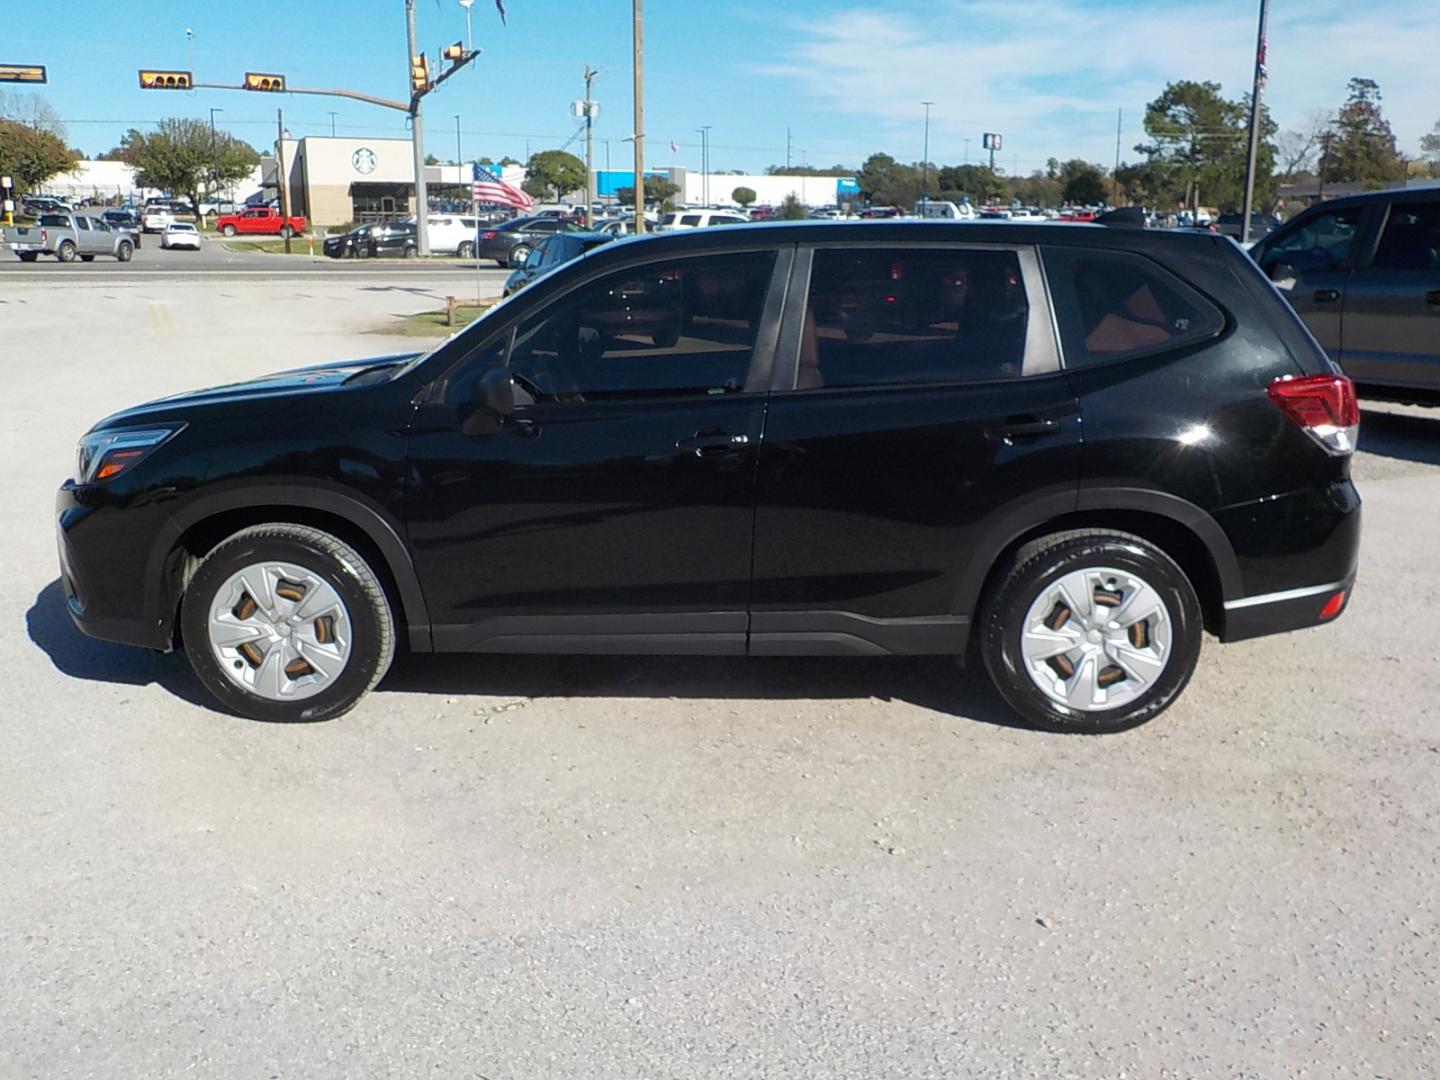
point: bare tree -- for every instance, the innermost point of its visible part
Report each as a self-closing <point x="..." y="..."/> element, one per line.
<point x="1298" y="151"/>
<point x="33" y="111"/>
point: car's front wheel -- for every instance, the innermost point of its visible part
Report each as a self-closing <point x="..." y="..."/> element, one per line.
<point x="284" y="622"/>
<point x="1091" y="631"/>
<point x="125" y="252"/>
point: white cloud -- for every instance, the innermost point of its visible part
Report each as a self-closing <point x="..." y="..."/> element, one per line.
<point x="1050" y="74"/>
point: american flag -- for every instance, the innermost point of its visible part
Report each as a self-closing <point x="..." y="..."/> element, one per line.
<point x="498" y="192"/>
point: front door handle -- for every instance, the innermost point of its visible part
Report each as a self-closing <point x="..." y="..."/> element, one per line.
<point x="1326" y="296"/>
<point x="1022" y="429"/>
<point x="704" y="444"/>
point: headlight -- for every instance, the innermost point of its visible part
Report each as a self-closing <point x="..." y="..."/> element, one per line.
<point x="103" y="455"/>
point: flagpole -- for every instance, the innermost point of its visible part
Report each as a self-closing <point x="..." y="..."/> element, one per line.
<point x="1255" y="115"/>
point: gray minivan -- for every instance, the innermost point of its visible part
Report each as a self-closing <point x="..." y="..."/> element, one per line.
<point x="1364" y="273"/>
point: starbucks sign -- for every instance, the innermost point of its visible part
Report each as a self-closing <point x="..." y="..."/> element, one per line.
<point x="363" y="161"/>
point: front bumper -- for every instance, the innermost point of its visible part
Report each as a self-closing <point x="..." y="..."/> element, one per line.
<point x="108" y="586"/>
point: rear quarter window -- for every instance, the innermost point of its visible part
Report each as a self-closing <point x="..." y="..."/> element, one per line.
<point x="1113" y="305"/>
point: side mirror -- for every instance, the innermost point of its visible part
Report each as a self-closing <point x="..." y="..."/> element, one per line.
<point x="495" y="394"/>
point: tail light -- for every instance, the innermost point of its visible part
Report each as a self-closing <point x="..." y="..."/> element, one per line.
<point x="489" y="235"/>
<point x="1324" y="406"/>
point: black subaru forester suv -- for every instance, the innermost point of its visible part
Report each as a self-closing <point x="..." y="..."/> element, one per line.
<point x="1072" y="447"/>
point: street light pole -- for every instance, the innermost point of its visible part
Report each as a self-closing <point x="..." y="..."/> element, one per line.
<point x="705" y="164"/>
<point x="457" y="138"/>
<point x="282" y="178"/>
<point x="1255" y="114"/>
<point x="925" y="154"/>
<point x="638" y="48"/>
<point x="417" y="141"/>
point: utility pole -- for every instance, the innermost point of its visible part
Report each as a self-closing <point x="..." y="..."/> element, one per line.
<point x="417" y="142"/>
<point x="705" y="164"/>
<point x="1115" y="175"/>
<point x="1260" y="46"/>
<point x="458" y="159"/>
<point x="967" y="152"/>
<point x="332" y="125"/>
<point x="282" y="177"/>
<point x="788" y="143"/>
<point x="590" y="74"/>
<point x="638" y="45"/>
<point x="925" y="154"/>
<point x="214" y="160"/>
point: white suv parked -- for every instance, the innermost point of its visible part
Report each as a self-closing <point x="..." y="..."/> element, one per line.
<point x="699" y="219"/>
<point x="452" y="234"/>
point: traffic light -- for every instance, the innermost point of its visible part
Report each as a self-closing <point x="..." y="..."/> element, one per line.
<point x="455" y="53"/>
<point x="164" y="80"/>
<point x="419" y="74"/>
<point x="257" y="80"/>
<point x="31" y="73"/>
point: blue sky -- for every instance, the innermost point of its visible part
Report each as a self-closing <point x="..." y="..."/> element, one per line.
<point x="846" y="78"/>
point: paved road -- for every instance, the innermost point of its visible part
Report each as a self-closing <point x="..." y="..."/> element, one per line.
<point x="215" y="260"/>
<point x="616" y="867"/>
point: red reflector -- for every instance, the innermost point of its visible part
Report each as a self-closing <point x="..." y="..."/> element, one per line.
<point x="1333" y="605"/>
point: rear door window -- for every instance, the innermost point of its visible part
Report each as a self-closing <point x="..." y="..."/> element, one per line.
<point x="891" y="317"/>
<point x="1411" y="240"/>
<point x="1115" y="304"/>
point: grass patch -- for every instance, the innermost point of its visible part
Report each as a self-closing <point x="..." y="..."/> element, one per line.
<point x="432" y="324"/>
<point x="273" y="247"/>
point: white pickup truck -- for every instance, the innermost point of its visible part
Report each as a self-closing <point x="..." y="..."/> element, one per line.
<point x="67" y="237"/>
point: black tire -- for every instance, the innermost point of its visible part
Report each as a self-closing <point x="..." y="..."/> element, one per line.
<point x="345" y="570"/>
<point x="466" y="250"/>
<point x="125" y="252"/>
<point x="28" y="256"/>
<point x="65" y="252"/>
<point x="1040" y="562"/>
<point x="228" y="230"/>
<point x="410" y="251"/>
<point x="286" y="232"/>
<point x="362" y="251"/>
<point x="518" y="255"/>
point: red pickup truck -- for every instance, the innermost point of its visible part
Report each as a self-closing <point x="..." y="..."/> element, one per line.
<point x="260" y="221"/>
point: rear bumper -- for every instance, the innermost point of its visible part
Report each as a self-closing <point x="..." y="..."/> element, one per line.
<point x="1293" y="609"/>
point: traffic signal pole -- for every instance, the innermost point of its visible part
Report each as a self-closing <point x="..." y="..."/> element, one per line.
<point x="417" y="140"/>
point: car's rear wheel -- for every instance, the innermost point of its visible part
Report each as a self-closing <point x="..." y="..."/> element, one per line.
<point x="286" y="232"/>
<point x="466" y="250"/>
<point x="228" y="230"/>
<point x="285" y="622"/>
<point x="65" y="252"/>
<point x="125" y="252"/>
<point x="1091" y="631"/>
<point x="518" y="256"/>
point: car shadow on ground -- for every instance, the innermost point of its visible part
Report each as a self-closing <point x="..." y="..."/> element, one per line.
<point x="1402" y="435"/>
<point x="48" y="625"/>
<point x="934" y="683"/>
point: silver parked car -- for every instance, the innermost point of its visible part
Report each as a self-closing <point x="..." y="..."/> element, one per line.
<point x="68" y="237"/>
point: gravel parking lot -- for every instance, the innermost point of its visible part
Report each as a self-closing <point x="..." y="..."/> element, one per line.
<point x="510" y="867"/>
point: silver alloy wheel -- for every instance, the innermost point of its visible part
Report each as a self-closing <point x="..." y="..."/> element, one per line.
<point x="1096" y="638"/>
<point x="279" y="631"/>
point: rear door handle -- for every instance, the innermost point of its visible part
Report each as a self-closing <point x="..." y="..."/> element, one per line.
<point x="1022" y="429"/>
<point x="705" y="444"/>
<point x="1326" y="296"/>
